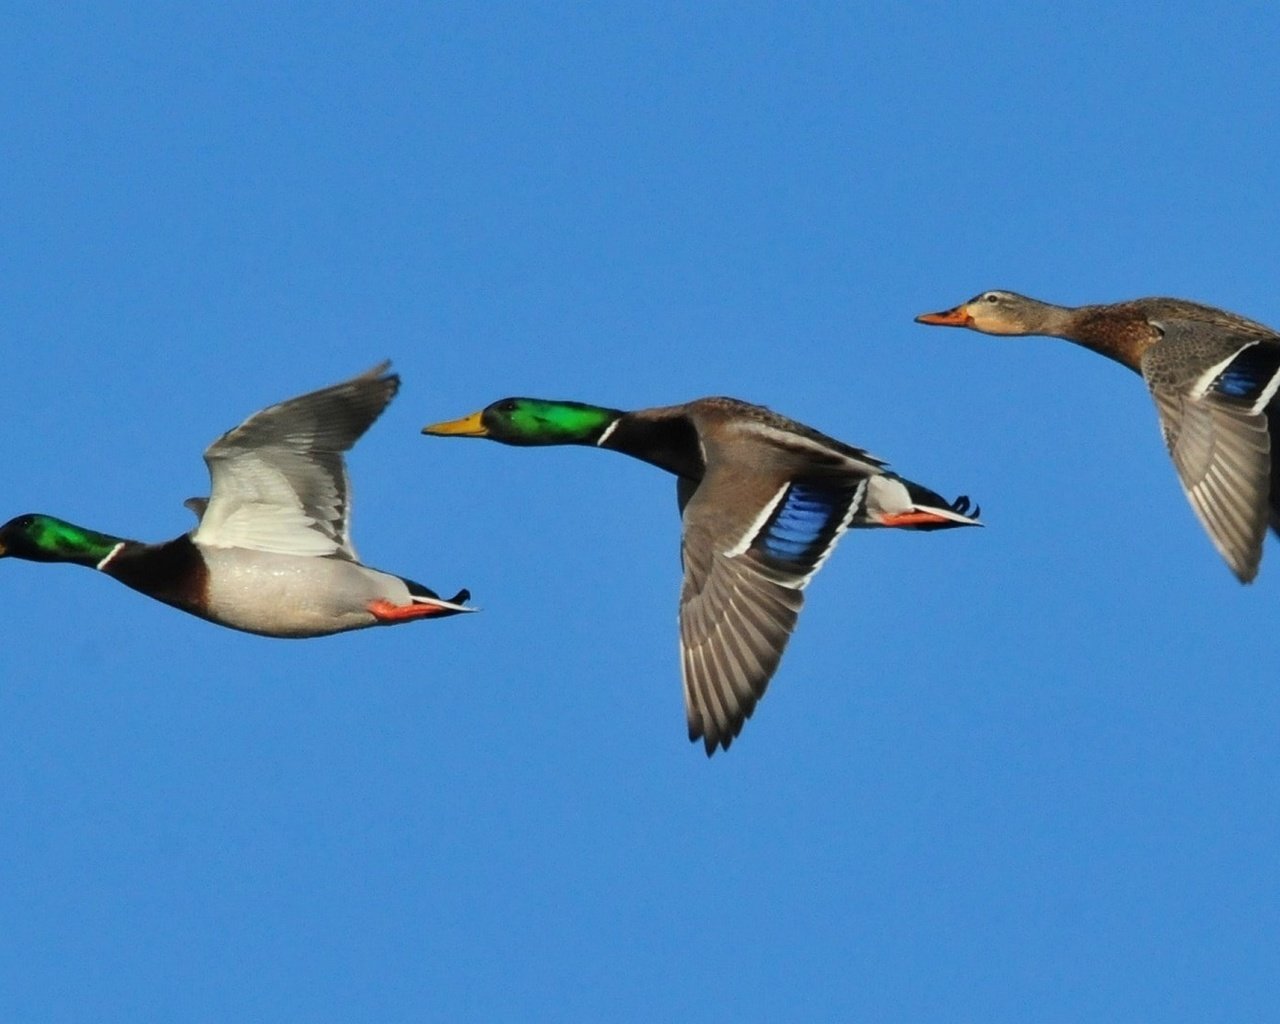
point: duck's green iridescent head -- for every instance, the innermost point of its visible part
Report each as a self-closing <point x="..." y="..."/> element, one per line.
<point x="40" y="538"/>
<point x="531" y="421"/>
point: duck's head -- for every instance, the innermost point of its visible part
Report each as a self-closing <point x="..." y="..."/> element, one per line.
<point x="531" y="421"/>
<point x="996" y="312"/>
<point x="41" y="538"/>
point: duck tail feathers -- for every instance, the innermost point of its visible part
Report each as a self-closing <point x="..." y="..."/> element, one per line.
<point x="451" y="606"/>
<point x="903" y="504"/>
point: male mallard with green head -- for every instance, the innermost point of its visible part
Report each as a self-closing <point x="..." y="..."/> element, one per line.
<point x="1213" y="375"/>
<point x="763" y="501"/>
<point x="272" y="553"/>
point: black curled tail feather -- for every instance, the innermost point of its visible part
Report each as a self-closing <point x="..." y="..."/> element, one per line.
<point x="418" y="590"/>
<point x="963" y="505"/>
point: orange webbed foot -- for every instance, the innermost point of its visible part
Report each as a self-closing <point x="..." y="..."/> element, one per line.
<point x="385" y="611"/>
<point x="913" y="519"/>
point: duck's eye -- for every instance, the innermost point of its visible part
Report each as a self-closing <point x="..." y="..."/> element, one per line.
<point x="991" y="297"/>
<point x="508" y="405"/>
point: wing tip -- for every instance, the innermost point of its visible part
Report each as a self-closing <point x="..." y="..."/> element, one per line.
<point x="714" y="739"/>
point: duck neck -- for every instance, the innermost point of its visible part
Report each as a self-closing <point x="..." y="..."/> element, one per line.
<point x="579" y="423"/>
<point x="1124" y="337"/>
<point x="1047" y="319"/>
<point x="670" y="443"/>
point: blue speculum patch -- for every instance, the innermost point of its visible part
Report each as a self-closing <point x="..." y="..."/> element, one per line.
<point x="802" y="525"/>
<point x="1249" y="373"/>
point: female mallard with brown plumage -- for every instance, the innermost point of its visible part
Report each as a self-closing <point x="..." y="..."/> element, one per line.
<point x="1213" y="375"/>
<point x="763" y="501"/>
<point x="272" y="553"/>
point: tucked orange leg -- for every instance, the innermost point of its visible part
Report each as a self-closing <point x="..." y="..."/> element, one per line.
<point x="385" y="611"/>
<point x="913" y="519"/>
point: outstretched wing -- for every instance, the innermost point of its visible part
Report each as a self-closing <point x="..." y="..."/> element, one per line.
<point x="1215" y="424"/>
<point x="279" y="479"/>
<point x="747" y="558"/>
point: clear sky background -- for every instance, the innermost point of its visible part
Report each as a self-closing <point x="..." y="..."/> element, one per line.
<point x="1026" y="773"/>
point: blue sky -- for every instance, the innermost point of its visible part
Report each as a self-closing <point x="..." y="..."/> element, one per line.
<point x="1022" y="773"/>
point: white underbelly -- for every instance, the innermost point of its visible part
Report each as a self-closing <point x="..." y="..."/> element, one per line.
<point x="293" y="596"/>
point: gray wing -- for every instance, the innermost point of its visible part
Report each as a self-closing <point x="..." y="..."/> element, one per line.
<point x="734" y="625"/>
<point x="1211" y="391"/>
<point x="750" y="546"/>
<point x="279" y="479"/>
